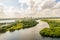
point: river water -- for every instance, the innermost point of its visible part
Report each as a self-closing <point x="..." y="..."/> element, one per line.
<point x="6" y="21"/>
<point x="27" y="34"/>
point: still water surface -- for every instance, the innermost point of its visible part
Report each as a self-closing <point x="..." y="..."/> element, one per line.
<point x="27" y="34"/>
<point x="6" y="21"/>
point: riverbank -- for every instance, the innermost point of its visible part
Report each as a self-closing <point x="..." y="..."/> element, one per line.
<point x="26" y="34"/>
<point x="54" y="29"/>
<point x="17" y="25"/>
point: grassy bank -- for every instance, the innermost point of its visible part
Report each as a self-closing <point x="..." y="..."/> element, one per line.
<point x="18" y="25"/>
<point x="53" y="31"/>
<point x="53" y="23"/>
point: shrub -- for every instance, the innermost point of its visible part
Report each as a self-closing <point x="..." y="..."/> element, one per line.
<point x="2" y="30"/>
<point x="29" y="23"/>
<point x="18" y="25"/>
<point x="11" y="29"/>
<point x="51" y="32"/>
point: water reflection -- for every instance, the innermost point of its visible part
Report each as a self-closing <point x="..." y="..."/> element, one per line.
<point x="27" y="34"/>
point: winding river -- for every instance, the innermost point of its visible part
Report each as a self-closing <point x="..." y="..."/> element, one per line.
<point x="27" y="34"/>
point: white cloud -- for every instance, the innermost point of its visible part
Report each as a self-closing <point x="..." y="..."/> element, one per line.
<point x="46" y="7"/>
<point x="12" y="12"/>
<point x="41" y="3"/>
<point x="1" y="0"/>
<point x="49" y="13"/>
<point x="9" y="11"/>
<point x="24" y="1"/>
<point x="47" y="4"/>
<point x="38" y="1"/>
<point x="57" y="5"/>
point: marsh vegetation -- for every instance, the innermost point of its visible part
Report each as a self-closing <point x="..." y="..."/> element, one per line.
<point x="53" y="31"/>
<point x="18" y="25"/>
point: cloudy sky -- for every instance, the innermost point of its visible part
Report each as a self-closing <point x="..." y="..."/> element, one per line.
<point x="13" y="8"/>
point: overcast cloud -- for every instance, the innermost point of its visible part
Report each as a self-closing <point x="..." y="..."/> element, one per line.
<point x="42" y="8"/>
